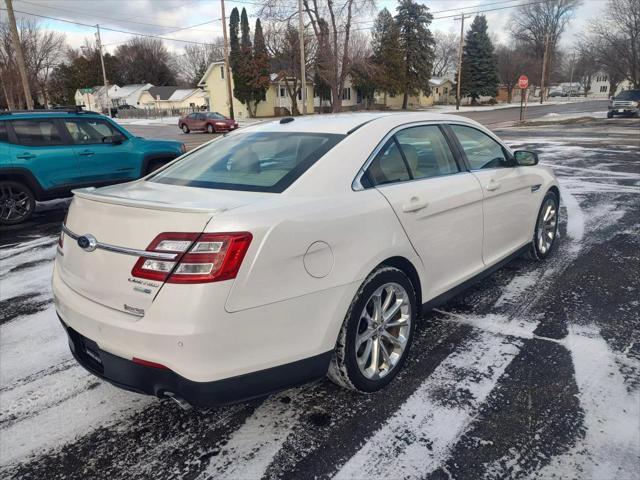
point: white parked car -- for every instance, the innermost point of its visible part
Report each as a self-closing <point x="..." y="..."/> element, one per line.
<point x="288" y="250"/>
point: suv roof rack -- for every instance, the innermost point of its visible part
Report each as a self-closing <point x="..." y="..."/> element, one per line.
<point x="66" y="109"/>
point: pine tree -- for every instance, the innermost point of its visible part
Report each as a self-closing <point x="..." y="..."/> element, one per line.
<point x="387" y="54"/>
<point x="479" y="71"/>
<point x="261" y="62"/>
<point x="417" y="44"/>
<point x="234" y="40"/>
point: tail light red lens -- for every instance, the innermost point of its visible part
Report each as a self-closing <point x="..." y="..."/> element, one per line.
<point x="198" y="258"/>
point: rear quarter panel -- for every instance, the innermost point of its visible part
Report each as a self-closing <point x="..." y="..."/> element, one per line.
<point x="359" y="228"/>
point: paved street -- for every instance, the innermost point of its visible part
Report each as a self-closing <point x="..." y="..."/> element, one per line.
<point x="533" y="373"/>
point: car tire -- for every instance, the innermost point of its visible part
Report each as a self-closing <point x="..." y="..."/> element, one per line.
<point x="367" y="336"/>
<point x="546" y="230"/>
<point x="210" y="128"/>
<point x="15" y="195"/>
<point x="153" y="166"/>
<point x="609" y="115"/>
<point x="185" y="128"/>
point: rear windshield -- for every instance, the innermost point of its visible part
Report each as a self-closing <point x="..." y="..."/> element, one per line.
<point x="633" y="95"/>
<point x="252" y="161"/>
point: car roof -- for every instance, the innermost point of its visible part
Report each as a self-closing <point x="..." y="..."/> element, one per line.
<point x="16" y="115"/>
<point x="346" y="123"/>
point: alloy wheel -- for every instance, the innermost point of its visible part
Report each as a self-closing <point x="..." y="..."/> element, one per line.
<point x="383" y="331"/>
<point x="16" y="203"/>
<point x="547" y="226"/>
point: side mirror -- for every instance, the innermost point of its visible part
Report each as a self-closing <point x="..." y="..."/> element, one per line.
<point x="525" y="158"/>
<point x="113" y="139"/>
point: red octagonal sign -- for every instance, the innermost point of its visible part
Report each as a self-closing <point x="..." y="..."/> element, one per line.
<point x="523" y="82"/>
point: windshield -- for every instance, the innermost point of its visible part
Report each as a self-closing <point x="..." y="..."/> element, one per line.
<point x="216" y="116"/>
<point x="254" y="161"/>
<point x="633" y="95"/>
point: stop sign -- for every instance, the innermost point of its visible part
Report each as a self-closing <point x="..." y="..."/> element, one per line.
<point x="523" y="82"/>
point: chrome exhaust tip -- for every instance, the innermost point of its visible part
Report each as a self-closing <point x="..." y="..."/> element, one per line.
<point x="182" y="403"/>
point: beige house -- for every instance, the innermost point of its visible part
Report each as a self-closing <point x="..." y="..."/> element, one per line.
<point x="277" y="101"/>
<point x="173" y="97"/>
<point x="394" y="102"/>
<point x="443" y="90"/>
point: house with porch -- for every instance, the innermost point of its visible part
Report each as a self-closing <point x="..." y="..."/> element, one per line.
<point x="277" y="101"/>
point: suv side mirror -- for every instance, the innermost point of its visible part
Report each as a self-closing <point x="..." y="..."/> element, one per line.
<point x="114" y="139"/>
<point x="525" y="158"/>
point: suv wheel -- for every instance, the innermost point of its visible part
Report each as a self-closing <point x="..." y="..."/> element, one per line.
<point x="210" y="128"/>
<point x="16" y="203"/>
<point x="609" y="114"/>
<point x="376" y="334"/>
<point x="185" y="128"/>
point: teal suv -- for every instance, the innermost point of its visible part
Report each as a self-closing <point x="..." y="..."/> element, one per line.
<point x="45" y="154"/>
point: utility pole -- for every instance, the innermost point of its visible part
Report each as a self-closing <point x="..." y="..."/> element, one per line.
<point x="303" y="72"/>
<point x="226" y="60"/>
<point x="104" y="72"/>
<point x="462" y="17"/>
<point x="19" y="55"/>
<point x="573" y="62"/>
<point x="544" y="66"/>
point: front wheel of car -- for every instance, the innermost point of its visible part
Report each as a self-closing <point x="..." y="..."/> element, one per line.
<point x="546" y="230"/>
<point x="609" y="115"/>
<point x="185" y="128"/>
<point x="210" y="128"/>
<point x="375" y="337"/>
<point x="16" y="203"/>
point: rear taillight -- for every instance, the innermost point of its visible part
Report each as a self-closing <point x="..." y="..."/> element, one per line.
<point x="198" y="258"/>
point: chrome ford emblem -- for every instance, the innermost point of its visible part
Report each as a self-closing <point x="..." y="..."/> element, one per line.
<point x="87" y="242"/>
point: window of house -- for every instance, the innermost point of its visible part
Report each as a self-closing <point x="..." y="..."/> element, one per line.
<point x="481" y="150"/>
<point x="446" y="90"/>
<point x="346" y="93"/>
<point x="222" y="72"/>
<point x="427" y="152"/>
<point x="437" y="90"/>
<point x="37" y="133"/>
<point x="603" y="89"/>
<point x="300" y="94"/>
<point x="283" y="92"/>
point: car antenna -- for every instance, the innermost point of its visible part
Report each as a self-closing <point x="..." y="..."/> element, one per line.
<point x="287" y="120"/>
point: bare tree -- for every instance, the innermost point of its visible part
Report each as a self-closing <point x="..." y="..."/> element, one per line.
<point x="619" y="32"/>
<point x="146" y="60"/>
<point x="446" y="53"/>
<point x="532" y="24"/>
<point x="192" y="64"/>
<point x="283" y="44"/>
<point x="510" y="64"/>
<point x="332" y="24"/>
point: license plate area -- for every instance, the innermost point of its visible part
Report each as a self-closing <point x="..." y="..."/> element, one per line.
<point x="86" y="350"/>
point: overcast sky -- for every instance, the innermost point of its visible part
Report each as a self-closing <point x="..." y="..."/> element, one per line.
<point x="162" y="17"/>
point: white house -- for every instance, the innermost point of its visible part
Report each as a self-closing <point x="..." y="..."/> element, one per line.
<point x="94" y="98"/>
<point x="130" y="94"/>
<point x="600" y="86"/>
<point x="168" y="97"/>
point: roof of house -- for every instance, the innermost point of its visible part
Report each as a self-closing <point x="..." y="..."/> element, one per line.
<point x="207" y="72"/>
<point x="438" y="81"/>
<point x="162" y="93"/>
<point x="127" y="90"/>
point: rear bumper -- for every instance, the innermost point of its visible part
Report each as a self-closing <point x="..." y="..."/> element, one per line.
<point x="134" y="377"/>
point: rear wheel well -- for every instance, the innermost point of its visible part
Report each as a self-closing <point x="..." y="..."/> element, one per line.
<point x="410" y="271"/>
<point x="25" y="180"/>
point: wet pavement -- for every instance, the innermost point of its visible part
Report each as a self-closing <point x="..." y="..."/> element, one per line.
<point x="532" y="373"/>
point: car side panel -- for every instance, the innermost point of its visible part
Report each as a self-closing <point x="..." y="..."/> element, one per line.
<point x="319" y="244"/>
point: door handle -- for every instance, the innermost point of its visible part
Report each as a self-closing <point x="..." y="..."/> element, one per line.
<point x="26" y="156"/>
<point x="414" y="205"/>
<point x="493" y="185"/>
<point x="86" y="153"/>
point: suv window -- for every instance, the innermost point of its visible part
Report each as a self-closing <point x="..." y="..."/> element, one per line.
<point x="427" y="152"/>
<point x="481" y="150"/>
<point x="86" y="131"/>
<point x="37" y="133"/>
<point x="633" y="95"/>
<point x="388" y="166"/>
<point x="3" y="132"/>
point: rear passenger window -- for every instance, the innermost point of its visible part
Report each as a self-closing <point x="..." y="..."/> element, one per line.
<point x="3" y="132"/>
<point x="427" y="152"/>
<point x="388" y="166"/>
<point x="37" y="133"/>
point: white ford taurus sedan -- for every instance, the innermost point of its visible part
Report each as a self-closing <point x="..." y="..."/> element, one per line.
<point x="290" y="250"/>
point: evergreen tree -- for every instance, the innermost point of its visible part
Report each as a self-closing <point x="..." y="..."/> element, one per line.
<point x="387" y="54"/>
<point x="261" y="63"/>
<point x="417" y="46"/>
<point x="479" y="71"/>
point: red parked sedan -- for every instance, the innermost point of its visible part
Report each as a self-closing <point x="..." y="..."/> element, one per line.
<point x="210" y="122"/>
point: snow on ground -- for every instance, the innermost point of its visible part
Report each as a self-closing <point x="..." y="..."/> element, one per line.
<point x="47" y="401"/>
<point x="569" y="116"/>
